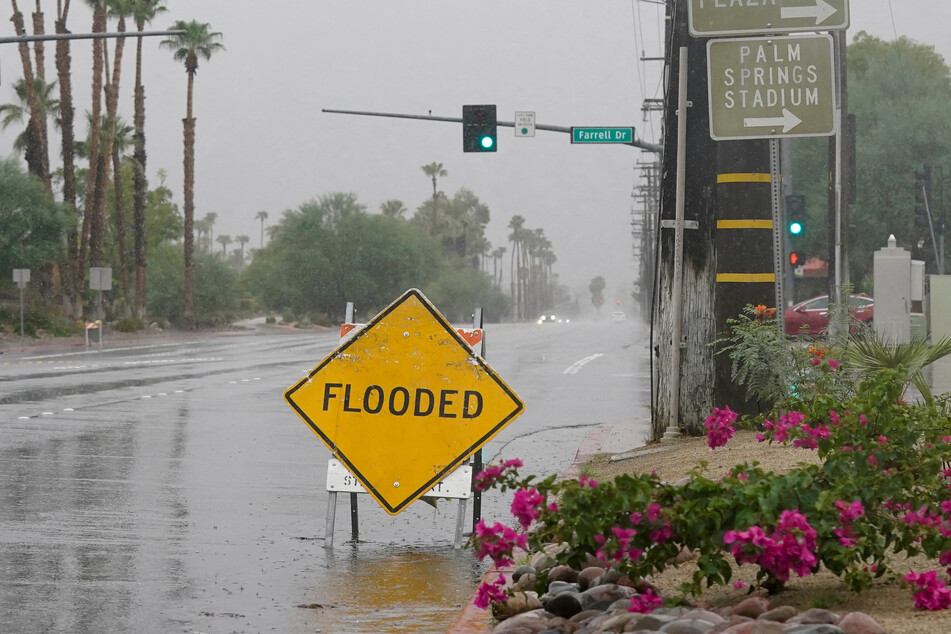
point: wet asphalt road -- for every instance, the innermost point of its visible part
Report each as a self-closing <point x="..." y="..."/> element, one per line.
<point x="168" y="487"/>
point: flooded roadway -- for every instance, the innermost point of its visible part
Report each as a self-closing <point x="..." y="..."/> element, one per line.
<point x="168" y="488"/>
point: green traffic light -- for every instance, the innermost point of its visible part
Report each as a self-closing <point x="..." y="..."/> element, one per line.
<point x="487" y="142"/>
<point x="795" y="228"/>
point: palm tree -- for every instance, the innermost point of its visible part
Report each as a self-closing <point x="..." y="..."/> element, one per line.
<point x="196" y="40"/>
<point x="434" y="170"/>
<point x="242" y="240"/>
<point x="37" y="125"/>
<point x="516" y="224"/>
<point x="393" y="208"/>
<point x="210" y="218"/>
<point x="144" y="12"/>
<point x="18" y="113"/>
<point x="224" y="240"/>
<point x="202" y="228"/>
<point x="262" y="216"/>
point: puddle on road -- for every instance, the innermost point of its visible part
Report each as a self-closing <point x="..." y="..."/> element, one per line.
<point x="366" y="588"/>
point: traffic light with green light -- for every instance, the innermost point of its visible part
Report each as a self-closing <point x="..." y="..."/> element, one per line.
<point x="796" y="214"/>
<point x="479" y="129"/>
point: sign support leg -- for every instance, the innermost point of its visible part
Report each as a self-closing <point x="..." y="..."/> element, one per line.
<point x="477" y="322"/>
<point x="331" y="512"/>
<point x="673" y="429"/>
<point x="354" y="519"/>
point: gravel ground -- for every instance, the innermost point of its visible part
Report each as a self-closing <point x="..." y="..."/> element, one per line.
<point x="888" y="602"/>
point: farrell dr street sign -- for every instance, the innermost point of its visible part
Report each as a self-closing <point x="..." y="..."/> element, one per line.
<point x="738" y="17"/>
<point x="602" y="135"/>
<point x="403" y="402"/>
<point x="768" y="87"/>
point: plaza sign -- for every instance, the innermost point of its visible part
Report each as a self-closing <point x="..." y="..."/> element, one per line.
<point x="740" y="17"/>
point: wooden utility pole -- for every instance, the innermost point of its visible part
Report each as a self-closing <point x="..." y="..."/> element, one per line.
<point x="699" y="330"/>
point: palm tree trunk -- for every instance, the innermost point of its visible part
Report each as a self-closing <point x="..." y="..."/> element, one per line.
<point x="120" y="228"/>
<point x="66" y="116"/>
<point x="92" y="225"/>
<point x="189" y="165"/>
<point x="140" y="182"/>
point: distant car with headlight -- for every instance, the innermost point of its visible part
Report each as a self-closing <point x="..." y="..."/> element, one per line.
<point x="550" y="318"/>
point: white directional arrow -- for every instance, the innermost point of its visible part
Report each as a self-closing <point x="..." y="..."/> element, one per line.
<point x="822" y="11"/>
<point x="788" y="121"/>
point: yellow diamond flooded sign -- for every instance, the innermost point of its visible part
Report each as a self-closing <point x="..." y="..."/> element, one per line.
<point x="404" y="401"/>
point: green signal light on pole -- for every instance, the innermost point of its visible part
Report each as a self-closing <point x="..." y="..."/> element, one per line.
<point x="795" y="228"/>
<point x="487" y="142"/>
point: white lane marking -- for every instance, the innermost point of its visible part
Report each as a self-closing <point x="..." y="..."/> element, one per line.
<point x="577" y="365"/>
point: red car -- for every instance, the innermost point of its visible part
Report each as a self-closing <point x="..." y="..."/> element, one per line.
<point x="811" y="316"/>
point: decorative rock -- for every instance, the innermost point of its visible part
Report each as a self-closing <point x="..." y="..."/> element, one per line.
<point x="611" y="576"/>
<point x="556" y="588"/>
<point x="618" y="622"/>
<point x="655" y="621"/>
<point x="522" y="570"/>
<point x="779" y="614"/>
<point x="687" y="626"/>
<point x="535" y="621"/>
<point x="607" y="592"/>
<point x="584" y="615"/>
<point x="518" y="603"/>
<point x="814" y="628"/>
<point x="559" y="625"/>
<point x="751" y="607"/>
<point x="525" y="582"/>
<point x="814" y="616"/>
<point x="565" y="604"/>
<point x="699" y="613"/>
<point x="541" y="561"/>
<point x="859" y="623"/>
<point x="731" y="624"/>
<point x="589" y="574"/>
<point x="563" y="573"/>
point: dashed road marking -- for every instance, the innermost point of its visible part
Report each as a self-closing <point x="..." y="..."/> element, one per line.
<point x="577" y="365"/>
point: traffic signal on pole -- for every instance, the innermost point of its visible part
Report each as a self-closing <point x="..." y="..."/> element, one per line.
<point x="795" y="214"/>
<point x="479" y="129"/>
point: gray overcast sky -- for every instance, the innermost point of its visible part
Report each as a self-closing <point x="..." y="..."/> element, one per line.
<point x="263" y="144"/>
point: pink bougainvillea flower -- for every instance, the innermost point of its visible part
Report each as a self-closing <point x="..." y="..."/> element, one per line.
<point x="720" y="427"/>
<point x="645" y="602"/>
<point x="526" y="506"/>
<point x="932" y="593"/>
<point x="490" y="593"/>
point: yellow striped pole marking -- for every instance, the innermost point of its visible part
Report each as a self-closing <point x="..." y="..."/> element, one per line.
<point x="746" y="278"/>
<point x="744" y="224"/>
<point x="744" y="178"/>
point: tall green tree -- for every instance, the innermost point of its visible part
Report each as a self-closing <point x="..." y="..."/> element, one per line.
<point x="32" y="225"/>
<point x="197" y="40"/>
<point x="900" y="94"/>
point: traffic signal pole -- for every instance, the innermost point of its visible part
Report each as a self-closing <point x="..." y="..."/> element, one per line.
<point x="644" y="145"/>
